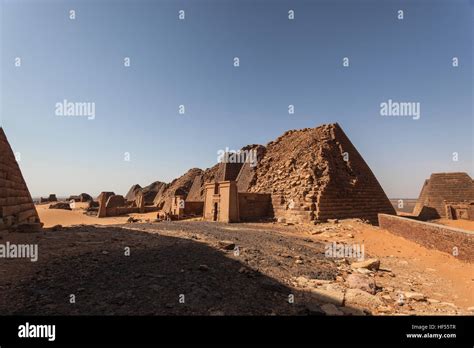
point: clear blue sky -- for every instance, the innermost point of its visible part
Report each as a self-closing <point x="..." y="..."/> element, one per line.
<point x="190" y="62"/>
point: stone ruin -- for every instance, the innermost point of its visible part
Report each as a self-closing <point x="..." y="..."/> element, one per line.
<point x="51" y="198"/>
<point x="313" y="174"/>
<point x="307" y="175"/>
<point x="110" y="204"/>
<point x="17" y="210"/>
<point x="83" y="198"/>
<point x="446" y="195"/>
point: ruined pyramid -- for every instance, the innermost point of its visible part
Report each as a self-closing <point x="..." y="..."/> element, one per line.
<point x="318" y="174"/>
<point x="17" y="210"/>
<point x="441" y="188"/>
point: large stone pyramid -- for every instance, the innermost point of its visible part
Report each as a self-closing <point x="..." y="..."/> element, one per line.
<point x="441" y="187"/>
<point x="317" y="174"/>
<point x="16" y="206"/>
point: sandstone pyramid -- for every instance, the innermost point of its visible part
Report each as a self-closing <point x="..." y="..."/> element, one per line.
<point x="317" y="174"/>
<point x="150" y="191"/>
<point x="132" y="193"/>
<point x="179" y="186"/>
<point x="16" y="205"/>
<point x="440" y="187"/>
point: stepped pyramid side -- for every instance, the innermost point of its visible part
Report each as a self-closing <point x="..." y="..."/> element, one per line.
<point x="352" y="190"/>
<point x="317" y="174"/>
<point x="16" y="204"/>
<point x="440" y="187"/>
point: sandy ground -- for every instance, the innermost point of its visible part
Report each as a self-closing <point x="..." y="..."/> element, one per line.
<point x="52" y="217"/>
<point x="464" y="224"/>
<point x="436" y="274"/>
<point x="171" y="258"/>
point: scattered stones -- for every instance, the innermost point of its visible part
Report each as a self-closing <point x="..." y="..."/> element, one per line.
<point x="328" y="296"/>
<point x="245" y="270"/>
<point x="302" y="281"/>
<point x="226" y="245"/>
<point x="384" y="309"/>
<point x="360" y="298"/>
<point x="60" y="205"/>
<point x="385" y="269"/>
<point x="364" y="271"/>
<point x="432" y="300"/>
<point x="362" y="282"/>
<point x="331" y="309"/>
<point x="416" y="296"/>
<point x="372" y="264"/>
<point x="352" y="311"/>
<point x="313" y="309"/>
<point x="449" y="304"/>
<point x="333" y="221"/>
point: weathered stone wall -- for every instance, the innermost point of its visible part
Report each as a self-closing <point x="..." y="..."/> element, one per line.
<point x="115" y="201"/>
<point x="16" y="204"/>
<point x="433" y="236"/>
<point x="254" y="206"/>
<point x="193" y="208"/>
<point x="453" y="187"/>
<point x="118" y="211"/>
<point x="455" y="211"/>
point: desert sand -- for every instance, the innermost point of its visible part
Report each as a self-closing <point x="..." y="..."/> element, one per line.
<point x="52" y="217"/>
<point x="274" y="260"/>
<point x="464" y="224"/>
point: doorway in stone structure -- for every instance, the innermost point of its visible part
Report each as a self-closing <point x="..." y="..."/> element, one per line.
<point x="214" y="218"/>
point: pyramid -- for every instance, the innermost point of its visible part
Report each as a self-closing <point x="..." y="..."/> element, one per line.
<point x="17" y="209"/>
<point x="132" y="193"/>
<point x="318" y="174"/>
<point x="441" y="187"/>
<point x="179" y="186"/>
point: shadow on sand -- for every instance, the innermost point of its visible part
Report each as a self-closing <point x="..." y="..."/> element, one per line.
<point x="163" y="275"/>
